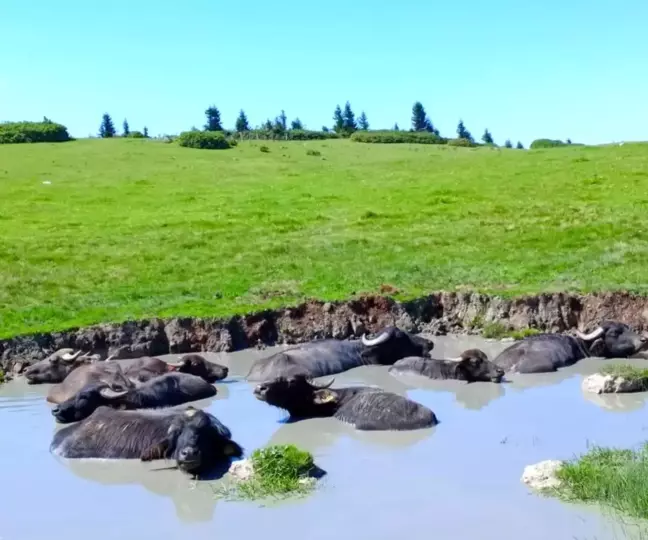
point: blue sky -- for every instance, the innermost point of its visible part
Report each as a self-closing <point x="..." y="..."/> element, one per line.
<point x="555" y="68"/>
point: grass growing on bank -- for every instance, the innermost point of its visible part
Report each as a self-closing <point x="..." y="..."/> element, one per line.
<point x="2" y="376"/>
<point x="613" y="477"/>
<point x="497" y="330"/>
<point x="627" y="371"/>
<point x="115" y="229"/>
<point x="279" y="471"/>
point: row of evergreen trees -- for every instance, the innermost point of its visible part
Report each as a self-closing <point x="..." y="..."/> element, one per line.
<point x="344" y="123"/>
<point x="107" y="129"/>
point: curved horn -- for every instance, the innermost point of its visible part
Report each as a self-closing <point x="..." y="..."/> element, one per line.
<point x="592" y="335"/>
<point x="326" y="385"/>
<point x="456" y="359"/>
<point x="67" y="357"/>
<point x="177" y="364"/>
<point x="111" y="357"/>
<point x="384" y="336"/>
<point x="109" y="393"/>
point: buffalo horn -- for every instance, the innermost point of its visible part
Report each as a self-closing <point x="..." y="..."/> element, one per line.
<point x="109" y="393"/>
<point x="326" y="385"/>
<point x="592" y="335"/>
<point x="67" y="357"/>
<point x="384" y="336"/>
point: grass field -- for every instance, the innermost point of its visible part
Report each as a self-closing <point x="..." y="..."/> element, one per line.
<point x="139" y="228"/>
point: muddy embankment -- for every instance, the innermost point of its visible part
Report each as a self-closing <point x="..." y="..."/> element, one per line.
<point x="437" y="314"/>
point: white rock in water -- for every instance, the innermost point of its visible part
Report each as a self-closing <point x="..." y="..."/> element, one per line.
<point x="542" y="475"/>
<point x="598" y="383"/>
<point x="241" y="470"/>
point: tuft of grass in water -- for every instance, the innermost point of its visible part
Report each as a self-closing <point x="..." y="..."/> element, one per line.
<point x="496" y="330"/>
<point x="627" y="371"/>
<point x="525" y="332"/>
<point x="616" y="478"/>
<point x="2" y="376"/>
<point x="83" y="240"/>
<point x="279" y="471"/>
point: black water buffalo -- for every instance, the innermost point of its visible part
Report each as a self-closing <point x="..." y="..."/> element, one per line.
<point x="330" y="356"/>
<point x="363" y="407"/>
<point x="165" y="390"/>
<point x="57" y="366"/>
<point x="195" y="439"/>
<point x="472" y="366"/>
<point x="548" y="352"/>
<point x="124" y="374"/>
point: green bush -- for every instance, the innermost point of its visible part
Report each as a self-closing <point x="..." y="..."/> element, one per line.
<point x="135" y="135"/>
<point x="311" y="152"/>
<point x="32" y="132"/>
<point x="464" y="143"/>
<point x="546" y="143"/>
<point x="265" y="149"/>
<point x="290" y="135"/>
<point x="205" y="140"/>
<point x="397" y="137"/>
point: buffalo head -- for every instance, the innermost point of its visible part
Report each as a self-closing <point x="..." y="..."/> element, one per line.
<point x="195" y="364"/>
<point x="392" y="344"/>
<point x="613" y="339"/>
<point x="476" y="366"/>
<point x="197" y="441"/>
<point x="108" y="392"/>
<point x="299" y="396"/>
<point x="57" y="366"/>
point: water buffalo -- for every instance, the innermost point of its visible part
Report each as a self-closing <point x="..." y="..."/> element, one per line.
<point x="548" y="352"/>
<point x="363" y="407"/>
<point x="57" y="366"/>
<point x="165" y="390"/>
<point x="195" y="439"/>
<point x="472" y="366"/>
<point x="330" y="356"/>
<point x="123" y="374"/>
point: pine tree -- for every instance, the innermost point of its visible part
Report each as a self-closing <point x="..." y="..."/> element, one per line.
<point x="429" y="126"/>
<point x="107" y="128"/>
<point x="213" y="119"/>
<point x="296" y="124"/>
<point x="463" y="133"/>
<point x="126" y="128"/>
<point x="268" y="125"/>
<point x="282" y="121"/>
<point x="569" y="141"/>
<point x="242" y="123"/>
<point x="338" y="120"/>
<point x="146" y="132"/>
<point x="487" y="137"/>
<point x="519" y="146"/>
<point x="396" y="128"/>
<point x="363" y="123"/>
<point x="349" y="119"/>
<point x="325" y="129"/>
<point x="419" y="118"/>
<point x="508" y="144"/>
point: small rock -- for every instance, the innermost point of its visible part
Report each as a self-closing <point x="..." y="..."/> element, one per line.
<point x="542" y="475"/>
<point x="17" y="368"/>
<point x="598" y="383"/>
<point x="242" y="470"/>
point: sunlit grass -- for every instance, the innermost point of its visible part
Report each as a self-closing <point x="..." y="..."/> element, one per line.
<point x="129" y="229"/>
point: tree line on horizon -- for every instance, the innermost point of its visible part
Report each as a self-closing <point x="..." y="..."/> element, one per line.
<point x="345" y="124"/>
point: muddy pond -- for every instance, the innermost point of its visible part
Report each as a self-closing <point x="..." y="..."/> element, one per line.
<point x="459" y="480"/>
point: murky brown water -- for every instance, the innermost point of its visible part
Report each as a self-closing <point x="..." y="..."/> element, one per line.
<point x="460" y="480"/>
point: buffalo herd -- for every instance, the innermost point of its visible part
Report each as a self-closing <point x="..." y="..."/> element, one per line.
<point x="128" y="408"/>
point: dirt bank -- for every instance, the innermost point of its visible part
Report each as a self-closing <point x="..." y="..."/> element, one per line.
<point x="439" y="313"/>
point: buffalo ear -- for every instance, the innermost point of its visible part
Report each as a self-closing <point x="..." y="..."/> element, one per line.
<point x="232" y="449"/>
<point x="320" y="397"/>
<point x="157" y="451"/>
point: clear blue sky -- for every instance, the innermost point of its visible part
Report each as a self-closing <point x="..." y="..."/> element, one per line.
<point x="550" y="68"/>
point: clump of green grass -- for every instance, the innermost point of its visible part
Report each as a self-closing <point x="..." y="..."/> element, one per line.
<point x="311" y="152"/>
<point x="496" y="330"/>
<point x="525" y="332"/>
<point x="279" y="471"/>
<point x="616" y="478"/>
<point x="2" y="376"/>
<point x="626" y="371"/>
<point x="264" y="149"/>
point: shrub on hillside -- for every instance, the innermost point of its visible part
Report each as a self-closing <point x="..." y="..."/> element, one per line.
<point x="546" y="143"/>
<point x="32" y="132"/>
<point x="290" y="135"/>
<point x="311" y="152"/>
<point x="396" y="137"/>
<point x="205" y="140"/>
<point x="135" y="135"/>
<point x="465" y="143"/>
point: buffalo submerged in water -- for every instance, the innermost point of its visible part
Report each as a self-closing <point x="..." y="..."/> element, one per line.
<point x="363" y="407"/>
<point x="195" y="439"/>
<point x="331" y="356"/>
<point x="472" y="366"/>
<point x="166" y="390"/>
<point x="548" y="352"/>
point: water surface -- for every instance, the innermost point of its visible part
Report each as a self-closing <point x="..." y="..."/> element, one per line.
<point x="459" y="480"/>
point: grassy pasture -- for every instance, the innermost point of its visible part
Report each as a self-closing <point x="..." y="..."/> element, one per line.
<point x="133" y="228"/>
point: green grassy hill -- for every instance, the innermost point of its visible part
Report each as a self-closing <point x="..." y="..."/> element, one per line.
<point x="139" y="228"/>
